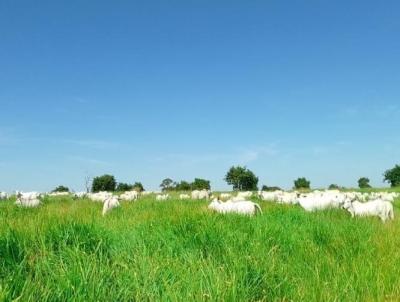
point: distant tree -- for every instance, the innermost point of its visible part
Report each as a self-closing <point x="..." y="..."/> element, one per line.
<point x="200" y="184"/>
<point x="333" y="187"/>
<point x="392" y="176"/>
<point x="270" y="189"/>
<point x="123" y="187"/>
<point x="363" y="183"/>
<point x="241" y="179"/>
<point x="137" y="186"/>
<point x="183" y="186"/>
<point x="167" y="184"/>
<point x="302" y="183"/>
<point x="104" y="183"/>
<point x="61" y="189"/>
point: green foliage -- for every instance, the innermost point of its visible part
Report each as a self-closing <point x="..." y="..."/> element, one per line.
<point x="200" y="184"/>
<point x="123" y="187"/>
<point x="183" y="186"/>
<point x="137" y="186"/>
<point x="392" y="176"/>
<point x="363" y="183"/>
<point x="302" y="183"/>
<point x="333" y="187"/>
<point x="270" y="189"/>
<point x="61" y="189"/>
<point x="167" y="184"/>
<point x="104" y="183"/>
<point x="241" y="179"/>
<point x="178" y="251"/>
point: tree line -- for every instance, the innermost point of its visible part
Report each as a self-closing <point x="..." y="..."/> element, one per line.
<point x="240" y="178"/>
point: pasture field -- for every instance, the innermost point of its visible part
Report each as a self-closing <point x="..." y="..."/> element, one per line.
<point x="179" y="251"/>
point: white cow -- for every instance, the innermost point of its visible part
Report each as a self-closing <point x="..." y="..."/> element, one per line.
<point x="27" y="201"/>
<point x="380" y="208"/>
<point x="99" y="196"/>
<point x="225" y="196"/>
<point x="162" y="197"/>
<point x="109" y="204"/>
<point x="203" y="194"/>
<point x="244" y="207"/>
<point x="80" y="194"/>
<point x="129" y="196"/>
<point x="56" y="194"/>
<point x="245" y="195"/>
<point x="320" y="201"/>
<point x="3" y="196"/>
<point x="184" y="196"/>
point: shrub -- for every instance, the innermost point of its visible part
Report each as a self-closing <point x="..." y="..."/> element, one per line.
<point x="241" y="179"/>
<point x="104" y="183"/>
<point x="302" y="183"/>
<point x="363" y="183"/>
<point x="122" y="187"/>
<point x="200" y="184"/>
<point x="392" y="176"/>
<point x="61" y="189"/>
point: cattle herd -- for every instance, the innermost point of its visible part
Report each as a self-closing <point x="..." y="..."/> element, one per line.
<point x="377" y="204"/>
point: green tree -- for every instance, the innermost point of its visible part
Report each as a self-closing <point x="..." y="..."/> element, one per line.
<point x="183" y="186"/>
<point x="302" y="183"/>
<point x="363" y="183"/>
<point x="392" y="176"/>
<point x="137" y="186"/>
<point x="122" y="187"/>
<point x="200" y="184"/>
<point x="104" y="183"/>
<point x="270" y="189"/>
<point x="241" y="179"/>
<point x="167" y="184"/>
<point x="333" y="187"/>
<point x="61" y="189"/>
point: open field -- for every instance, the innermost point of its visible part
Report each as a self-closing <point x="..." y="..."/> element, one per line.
<point x="179" y="251"/>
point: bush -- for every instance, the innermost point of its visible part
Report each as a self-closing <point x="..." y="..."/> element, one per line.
<point x="104" y="183"/>
<point x="241" y="179"/>
<point x="270" y="189"/>
<point x="167" y="184"/>
<point x="183" y="186"/>
<point x="333" y="187"/>
<point x="392" y="176"/>
<point x="302" y="183"/>
<point x="137" y="186"/>
<point x="200" y="184"/>
<point x="122" y="187"/>
<point x="61" y="189"/>
<point x="363" y="183"/>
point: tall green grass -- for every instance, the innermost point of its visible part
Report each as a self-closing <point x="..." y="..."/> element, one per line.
<point x="179" y="251"/>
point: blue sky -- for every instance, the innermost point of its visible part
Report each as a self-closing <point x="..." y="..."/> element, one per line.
<point x="183" y="89"/>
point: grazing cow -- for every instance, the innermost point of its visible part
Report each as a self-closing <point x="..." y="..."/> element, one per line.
<point x="162" y="197"/>
<point x="184" y="196"/>
<point x="245" y="195"/>
<point x="320" y="201"/>
<point x="225" y="196"/>
<point x="109" y="204"/>
<point x="80" y="194"/>
<point x="56" y="194"/>
<point x="129" y="196"/>
<point x="99" y="196"/>
<point x="27" y="200"/>
<point x="203" y="194"/>
<point x="241" y="207"/>
<point x="380" y="208"/>
<point x="3" y="196"/>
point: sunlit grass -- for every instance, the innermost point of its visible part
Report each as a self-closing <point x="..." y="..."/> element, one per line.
<point x="177" y="250"/>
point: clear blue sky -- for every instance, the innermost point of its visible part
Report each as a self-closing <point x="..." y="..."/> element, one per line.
<point x="183" y="89"/>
